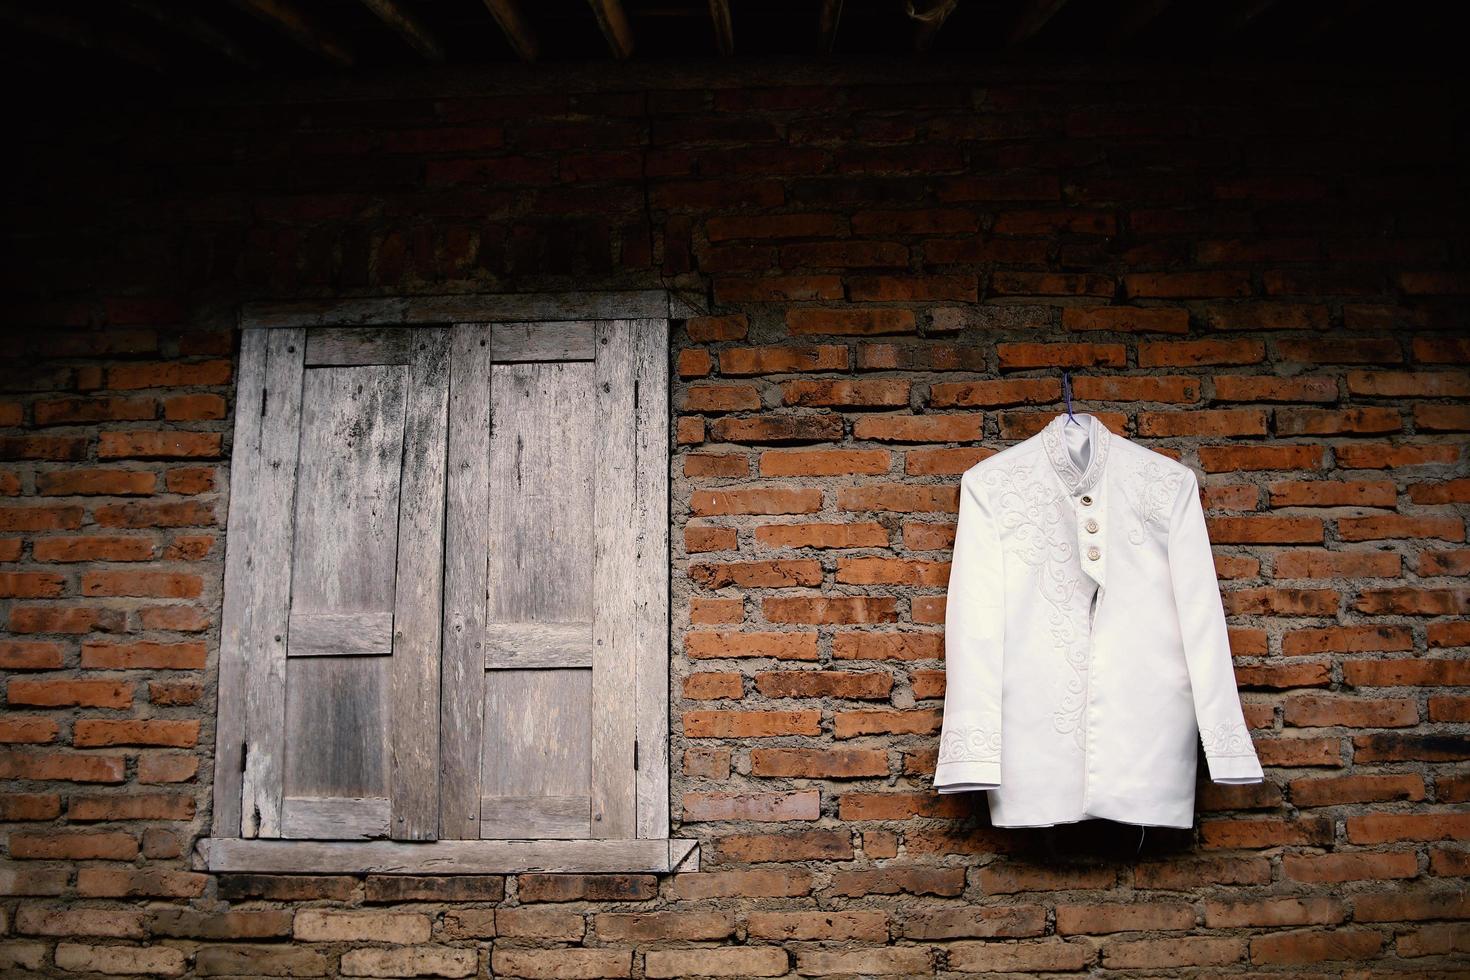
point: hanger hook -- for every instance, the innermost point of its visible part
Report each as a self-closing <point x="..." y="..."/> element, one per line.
<point x="1067" y="394"/>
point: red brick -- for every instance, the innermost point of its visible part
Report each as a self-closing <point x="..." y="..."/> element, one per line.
<point x="165" y="767"/>
<point x="98" y="548"/>
<point x="158" y="445"/>
<point x="710" y="686"/>
<point x="849" y="322"/>
<point x="892" y="571"/>
<point x="778" y="427"/>
<point x="712" y="329"/>
<point x="168" y="585"/>
<point x="803" y="805"/>
<point x="918" y="428"/>
<point x="73" y="767"/>
<point x="854" y="535"/>
<point x="703" y="539"/>
<point x="1177" y="285"/>
<point x="1381" y="526"/>
<point x="69" y="619"/>
<point x="721" y="398"/>
<point x="779" y="573"/>
<point x="182" y="619"/>
<point x="955" y="288"/>
<point x="40" y="518"/>
<point x="1380" y="456"/>
<point x="716" y="465"/>
<point x="1350" y="866"/>
<point x="1123" y="917"/>
<point x="1203" y="422"/>
<point x="774" y="226"/>
<point x="1345" y="639"/>
<point x="107" y="482"/>
<point x="70" y="693"/>
<point x="1038" y="355"/>
<point x="15" y="807"/>
<point x="1441" y="418"/>
<point x="706" y="611"/>
<point x="27" y="729"/>
<point x="1196" y="353"/>
<point x="1312" y="946"/>
<point x="824" y="684"/>
<point x="783" y="646"/>
<point x="851" y="724"/>
<point x="825" y="763"/>
<point x="693" y="363"/>
<point x="1321" y="563"/>
<point x="192" y="408"/>
<point x="144" y="514"/>
<point x="68" y="448"/>
<point x="846" y="394"/>
<point x="829" y="610"/>
<point x="30" y="656"/>
<point x="755" y="500"/>
<point x="190" y="479"/>
<point x="1406" y="673"/>
<point x="74" y="846"/>
<point x="133" y="806"/>
<point x="101" y="732"/>
<point x="888" y="646"/>
<point x="143" y="655"/>
<point x="776" y="289"/>
<point x="750" y="724"/>
<point x="31" y="585"/>
<point x="1265" y="530"/>
<point x="168" y="374"/>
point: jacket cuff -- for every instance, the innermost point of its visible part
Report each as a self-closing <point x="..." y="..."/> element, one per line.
<point x="966" y="777"/>
<point x="1235" y="768"/>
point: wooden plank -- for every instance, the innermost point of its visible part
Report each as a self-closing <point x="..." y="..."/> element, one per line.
<point x="418" y="607"/>
<point x="343" y="553"/>
<point x="614" y="26"/>
<point x="413" y="31"/>
<point x="260" y="617"/>
<point x="614" y="593"/>
<point x="223" y="854"/>
<point x="466" y="552"/>
<point x="719" y="13"/>
<point x="543" y="342"/>
<point x="440" y="310"/>
<point x="522" y="645"/>
<point x="535" y="817"/>
<point x="358" y="345"/>
<point x="1031" y="18"/>
<point x="650" y="574"/>
<point x="827" y="20"/>
<point x="930" y="21"/>
<point x="241" y="557"/>
<point x="513" y="24"/>
<point x="334" y="818"/>
<point x="296" y="25"/>
<point x="537" y="736"/>
<point x="683" y="855"/>
<point x="541" y="492"/>
<point x="340" y="634"/>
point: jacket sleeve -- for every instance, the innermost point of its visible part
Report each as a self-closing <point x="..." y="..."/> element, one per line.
<point x="1228" y="748"/>
<point x="974" y="631"/>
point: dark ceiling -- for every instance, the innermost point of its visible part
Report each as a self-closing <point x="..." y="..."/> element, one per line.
<point x="204" y="41"/>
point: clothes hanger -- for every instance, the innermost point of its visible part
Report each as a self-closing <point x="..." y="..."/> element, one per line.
<point x="1067" y="394"/>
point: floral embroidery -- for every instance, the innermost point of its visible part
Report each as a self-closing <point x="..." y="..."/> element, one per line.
<point x="1034" y="511"/>
<point x="1227" y="739"/>
<point x="1077" y="480"/>
<point x="1150" y="488"/>
<point x="971" y="743"/>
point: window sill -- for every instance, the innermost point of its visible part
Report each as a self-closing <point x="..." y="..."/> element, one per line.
<point x="231" y="854"/>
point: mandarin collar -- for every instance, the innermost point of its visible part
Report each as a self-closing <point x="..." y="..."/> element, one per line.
<point x="1075" y="479"/>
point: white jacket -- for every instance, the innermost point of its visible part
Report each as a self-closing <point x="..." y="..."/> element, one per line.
<point x="1085" y="642"/>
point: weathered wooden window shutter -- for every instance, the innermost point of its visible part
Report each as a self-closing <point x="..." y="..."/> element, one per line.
<point x="340" y="507"/>
<point x="446" y="599"/>
<point x="550" y="549"/>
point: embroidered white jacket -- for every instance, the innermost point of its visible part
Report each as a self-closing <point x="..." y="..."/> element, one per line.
<point x="1085" y="641"/>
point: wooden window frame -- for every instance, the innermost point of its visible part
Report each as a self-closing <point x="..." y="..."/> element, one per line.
<point x="652" y="850"/>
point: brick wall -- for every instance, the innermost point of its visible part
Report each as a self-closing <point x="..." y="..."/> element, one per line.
<point x="1261" y="275"/>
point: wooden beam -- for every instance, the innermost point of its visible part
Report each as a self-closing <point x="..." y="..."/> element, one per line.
<point x="182" y="21"/>
<point x="657" y="855"/>
<point x="614" y="24"/>
<point x="466" y="308"/>
<point x="292" y="22"/>
<point x="409" y="27"/>
<point x="930" y="21"/>
<point x="522" y="39"/>
<point x="1032" y="17"/>
<point x="719" y="13"/>
<point x="1133" y="19"/>
<point x="76" y="32"/>
<point x="827" y="20"/>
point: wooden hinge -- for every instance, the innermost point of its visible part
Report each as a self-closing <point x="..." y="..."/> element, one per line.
<point x="244" y="754"/>
<point x="264" y="394"/>
<point x="635" y="754"/>
<point x="635" y="394"/>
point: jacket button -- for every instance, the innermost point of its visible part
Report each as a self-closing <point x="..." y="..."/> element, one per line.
<point x="1094" y="554"/>
<point x="1091" y="526"/>
<point x="1086" y="501"/>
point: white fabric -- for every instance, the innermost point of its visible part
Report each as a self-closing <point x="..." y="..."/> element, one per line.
<point x="1081" y="681"/>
